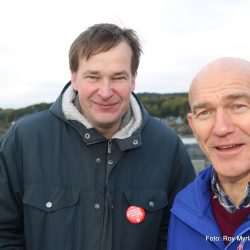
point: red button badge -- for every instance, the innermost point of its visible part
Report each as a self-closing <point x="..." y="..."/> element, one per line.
<point x="135" y="214"/>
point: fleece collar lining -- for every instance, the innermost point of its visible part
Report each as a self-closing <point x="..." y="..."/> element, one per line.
<point x="72" y="113"/>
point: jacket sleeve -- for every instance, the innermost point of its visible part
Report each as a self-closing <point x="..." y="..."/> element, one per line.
<point x="11" y="225"/>
<point x="181" y="175"/>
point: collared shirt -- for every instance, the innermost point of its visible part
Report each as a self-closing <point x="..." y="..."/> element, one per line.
<point x="224" y="199"/>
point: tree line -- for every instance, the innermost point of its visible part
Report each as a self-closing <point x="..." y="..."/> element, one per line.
<point x="158" y="105"/>
<point x="164" y="105"/>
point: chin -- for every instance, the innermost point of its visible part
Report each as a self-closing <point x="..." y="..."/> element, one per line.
<point x="232" y="172"/>
<point x="107" y="119"/>
<point x="106" y="123"/>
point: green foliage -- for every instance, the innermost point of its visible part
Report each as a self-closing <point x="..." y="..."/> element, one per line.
<point x="8" y="116"/>
<point x="164" y="105"/>
<point x="158" y="105"/>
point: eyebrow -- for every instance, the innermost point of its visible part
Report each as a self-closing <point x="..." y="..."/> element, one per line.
<point x="92" y="72"/>
<point x="199" y="105"/>
<point x="95" y="72"/>
<point x="238" y="96"/>
<point x="234" y="96"/>
<point x="121" y="73"/>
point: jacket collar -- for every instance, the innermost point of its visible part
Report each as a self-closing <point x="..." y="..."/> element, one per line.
<point x="196" y="196"/>
<point x="129" y="136"/>
<point x="192" y="205"/>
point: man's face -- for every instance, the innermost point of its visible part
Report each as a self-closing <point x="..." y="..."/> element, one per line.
<point x="104" y="83"/>
<point x="220" y="120"/>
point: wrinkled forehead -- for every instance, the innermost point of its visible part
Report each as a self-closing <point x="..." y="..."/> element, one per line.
<point x="218" y="76"/>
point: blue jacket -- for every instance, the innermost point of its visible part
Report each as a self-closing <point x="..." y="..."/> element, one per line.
<point x="192" y="225"/>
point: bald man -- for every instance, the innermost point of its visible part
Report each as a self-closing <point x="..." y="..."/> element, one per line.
<point x="213" y="211"/>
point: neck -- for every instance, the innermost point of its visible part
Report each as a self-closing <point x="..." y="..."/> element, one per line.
<point x="234" y="187"/>
<point x="107" y="132"/>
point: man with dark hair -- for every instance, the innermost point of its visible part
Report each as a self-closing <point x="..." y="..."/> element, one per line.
<point x="213" y="212"/>
<point x="95" y="171"/>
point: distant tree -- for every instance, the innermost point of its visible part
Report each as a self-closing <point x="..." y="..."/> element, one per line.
<point x="158" y="105"/>
<point x="163" y="105"/>
<point x="7" y="116"/>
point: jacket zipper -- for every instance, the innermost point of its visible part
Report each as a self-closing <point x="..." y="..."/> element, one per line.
<point x="106" y="241"/>
<point x="109" y="146"/>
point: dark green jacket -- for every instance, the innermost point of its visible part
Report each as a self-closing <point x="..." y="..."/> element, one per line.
<point x="60" y="188"/>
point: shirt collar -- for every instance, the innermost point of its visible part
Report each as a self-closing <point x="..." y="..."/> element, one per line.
<point x="224" y="199"/>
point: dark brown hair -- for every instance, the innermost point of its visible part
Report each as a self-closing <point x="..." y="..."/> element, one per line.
<point x="100" y="38"/>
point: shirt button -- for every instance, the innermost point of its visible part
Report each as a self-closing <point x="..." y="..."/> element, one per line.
<point x="110" y="162"/>
<point x="98" y="160"/>
<point x="135" y="142"/>
<point x="151" y="204"/>
<point x="49" y="204"/>
<point x="87" y="135"/>
<point x="97" y="205"/>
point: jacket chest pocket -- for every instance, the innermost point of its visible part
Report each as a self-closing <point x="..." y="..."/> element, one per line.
<point x="148" y="199"/>
<point x="50" y="215"/>
<point x="50" y="199"/>
<point x="152" y="203"/>
<point x="148" y="208"/>
<point x="49" y="208"/>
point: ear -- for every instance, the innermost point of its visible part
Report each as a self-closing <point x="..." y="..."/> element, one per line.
<point x="133" y="83"/>
<point x="73" y="81"/>
<point x="190" y="121"/>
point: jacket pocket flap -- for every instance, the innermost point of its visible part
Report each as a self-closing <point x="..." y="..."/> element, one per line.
<point x="150" y="200"/>
<point x="50" y="199"/>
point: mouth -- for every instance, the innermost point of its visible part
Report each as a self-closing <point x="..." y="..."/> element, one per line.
<point x="229" y="148"/>
<point x="105" y="106"/>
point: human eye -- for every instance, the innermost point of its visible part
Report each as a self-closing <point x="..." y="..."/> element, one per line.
<point x="92" y="77"/>
<point x="203" y="114"/>
<point x="239" y="107"/>
<point x="119" y="78"/>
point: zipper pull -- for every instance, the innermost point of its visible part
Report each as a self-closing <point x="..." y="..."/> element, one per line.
<point x="109" y="146"/>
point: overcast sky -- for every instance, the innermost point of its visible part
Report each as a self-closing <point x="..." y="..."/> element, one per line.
<point x="178" y="36"/>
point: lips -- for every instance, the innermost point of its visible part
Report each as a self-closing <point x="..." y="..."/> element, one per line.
<point x="105" y="106"/>
<point x="228" y="147"/>
<point x="104" y="103"/>
<point x="228" y="151"/>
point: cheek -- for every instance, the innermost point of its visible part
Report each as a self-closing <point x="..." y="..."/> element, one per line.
<point x="243" y="125"/>
<point x="84" y="96"/>
<point x="202" y="128"/>
<point x="123" y="91"/>
<point x="86" y="90"/>
<point x="200" y="133"/>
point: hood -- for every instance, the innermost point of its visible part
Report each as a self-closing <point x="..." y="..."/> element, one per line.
<point x="65" y="109"/>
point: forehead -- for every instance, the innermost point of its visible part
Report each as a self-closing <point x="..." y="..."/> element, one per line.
<point x="116" y="57"/>
<point x="122" y="49"/>
<point x="218" y="85"/>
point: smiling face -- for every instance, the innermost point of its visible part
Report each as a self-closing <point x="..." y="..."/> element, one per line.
<point x="104" y="83"/>
<point x="220" y="102"/>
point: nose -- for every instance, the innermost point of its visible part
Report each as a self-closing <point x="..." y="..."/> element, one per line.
<point x="105" y="90"/>
<point x="223" y="123"/>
